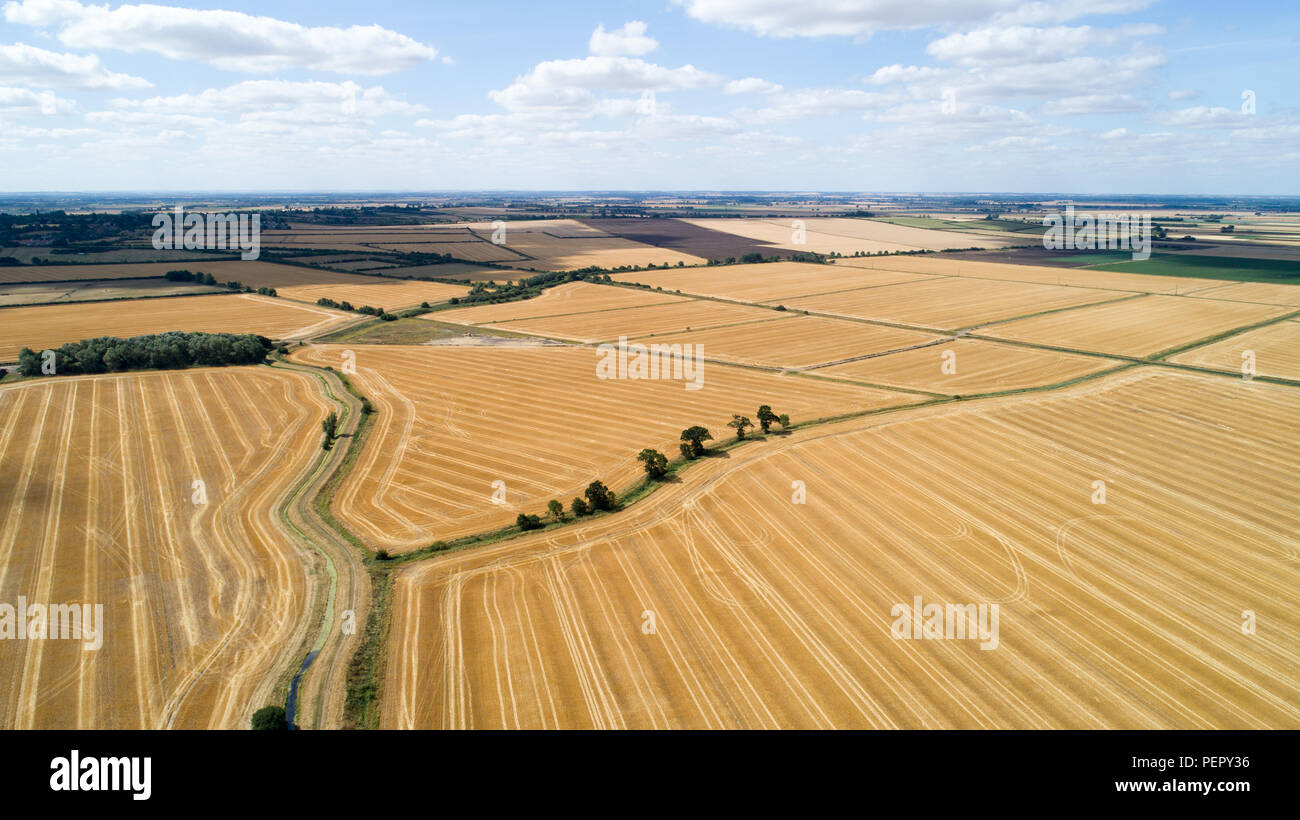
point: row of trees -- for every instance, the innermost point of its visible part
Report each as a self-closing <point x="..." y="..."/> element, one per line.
<point x="158" y="351"/>
<point x="208" y="279"/>
<point x="601" y="498"/>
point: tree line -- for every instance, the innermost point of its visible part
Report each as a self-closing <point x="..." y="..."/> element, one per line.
<point x="158" y="351"/>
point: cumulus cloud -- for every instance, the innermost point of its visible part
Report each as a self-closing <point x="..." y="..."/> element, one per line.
<point x="20" y="63"/>
<point x="628" y="41"/>
<point x="572" y="84"/>
<point x="302" y="101"/>
<point x="1020" y="45"/>
<point x="25" y="101"/>
<point x="229" y="40"/>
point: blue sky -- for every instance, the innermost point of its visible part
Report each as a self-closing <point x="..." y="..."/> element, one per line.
<point x="1089" y="96"/>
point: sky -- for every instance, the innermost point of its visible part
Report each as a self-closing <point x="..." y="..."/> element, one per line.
<point x="1079" y="96"/>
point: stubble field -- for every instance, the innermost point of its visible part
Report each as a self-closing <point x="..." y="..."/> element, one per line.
<point x="203" y="604"/>
<point x="49" y="326"/>
<point x="452" y="421"/>
<point x="720" y="603"/>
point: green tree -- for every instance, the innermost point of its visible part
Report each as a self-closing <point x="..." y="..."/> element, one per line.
<point x="655" y="462"/>
<point x="740" y="424"/>
<point x="784" y="421"/>
<point x="528" y="522"/>
<point x="695" y="438"/>
<point x="270" y="719"/>
<point x="766" y="417"/>
<point x="556" y="509"/>
<point x="599" y="496"/>
<point x="579" y="507"/>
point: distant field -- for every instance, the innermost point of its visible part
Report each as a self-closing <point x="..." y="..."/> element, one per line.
<point x="950" y="303"/>
<point x="562" y="300"/>
<point x="390" y="294"/>
<point x="92" y="290"/>
<point x="1212" y="267"/>
<point x="766" y="282"/>
<point x="646" y="321"/>
<point x="453" y="270"/>
<point x="204" y="605"/>
<point x="453" y="420"/>
<point x="972" y="366"/>
<point x="798" y="342"/>
<point x="695" y="238"/>
<point x="26" y="254"/>
<point x="49" y="326"/>
<point x="1276" y="351"/>
<point x="1254" y="292"/>
<point x="848" y="235"/>
<point x="1040" y="274"/>
<point x="1136" y="327"/>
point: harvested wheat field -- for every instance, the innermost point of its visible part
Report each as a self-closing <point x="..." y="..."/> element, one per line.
<point x="1263" y="292"/>
<point x="471" y="251"/>
<point x="651" y="320"/>
<point x="453" y="420"/>
<point x="205" y="606"/>
<point x="563" y="300"/>
<point x="798" y="342"/>
<point x="1135" y="327"/>
<point x="846" y="235"/>
<point x="1038" y="274"/>
<point x="950" y="303"/>
<point x="48" y="326"/>
<point x="719" y="603"/>
<point x="1275" y="347"/>
<point x="766" y="282"/>
<point x="967" y="366"/>
<point x="389" y="294"/>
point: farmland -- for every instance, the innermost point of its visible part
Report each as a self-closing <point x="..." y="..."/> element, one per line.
<point x="1136" y="327"/>
<point x="799" y="342"/>
<point x="968" y="366"/>
<point x="566" y="299"/>
<point x="950" y="303"/>
<point x="767" y="282"/>
<point x="453" y="420"/>
<point x="849" y="236"/>
<point x="765" y="613"/>
<point x="48" y="326"/>
<point x="1275" y="348"/>
<point x="90" y="290"/>
<point x="645" y="321"/>
<point x="203" y="603"/>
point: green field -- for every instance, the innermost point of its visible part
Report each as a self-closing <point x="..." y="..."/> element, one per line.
<point x="976" y="225"/>
<point x="1206" y="267"/>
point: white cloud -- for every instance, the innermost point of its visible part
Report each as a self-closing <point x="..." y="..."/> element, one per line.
<point x="751" y="85"/>
<point x="1021" y="45"/>
<point x="22" y="100"/>
<point x="21" y="63"/>
<point x="1202" y="116"/>
<point x="1184" y="94"/>
<point x="1114" y="134"/>
<point x="628" y="41"/>
<point x="271" y="99"/>
<point x="229" y="40"/>
<point x="1094" y="104"/>
<point x="570" y="85"/>
<point x="861" y="18"/>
